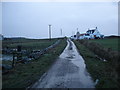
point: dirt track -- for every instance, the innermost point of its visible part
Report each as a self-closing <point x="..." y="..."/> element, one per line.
<point x="69" y="71"/>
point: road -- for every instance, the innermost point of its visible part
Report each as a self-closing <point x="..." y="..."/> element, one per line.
<point x="69" y="71"/>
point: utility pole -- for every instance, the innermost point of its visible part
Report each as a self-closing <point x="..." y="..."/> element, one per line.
<point x="61" y="31"/>
<point x="50" y="32"/>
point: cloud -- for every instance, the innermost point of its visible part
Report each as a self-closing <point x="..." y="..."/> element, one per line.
<point x="32" y="19"/>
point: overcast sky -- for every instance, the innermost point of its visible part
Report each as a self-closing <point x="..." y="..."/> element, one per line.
<point x="31" y="19"/>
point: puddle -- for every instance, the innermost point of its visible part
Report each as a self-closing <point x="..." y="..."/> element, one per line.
<point x="6" y="57"/>
<point x="70" y="57"/>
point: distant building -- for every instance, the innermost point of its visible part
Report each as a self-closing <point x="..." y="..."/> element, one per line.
<point x="1" y="37"/>
<point x="93" y="34"/>
<point x="82" y="36"/>
<point x="90" y="34"/>
<point x="77" y="35"/>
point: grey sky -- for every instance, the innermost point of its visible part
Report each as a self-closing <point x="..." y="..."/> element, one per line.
<point x="30" y="19"/>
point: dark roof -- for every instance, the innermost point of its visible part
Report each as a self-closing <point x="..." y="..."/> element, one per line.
<point x="91" y="31"/>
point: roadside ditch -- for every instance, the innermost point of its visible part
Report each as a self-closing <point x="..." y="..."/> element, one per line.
<point x="104" y="73"/>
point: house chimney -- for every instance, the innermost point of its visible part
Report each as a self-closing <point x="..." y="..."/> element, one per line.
<point x="77" y="29"/>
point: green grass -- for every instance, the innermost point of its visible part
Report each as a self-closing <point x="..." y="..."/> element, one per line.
<point x="28" y="44"/>
<point x="112" y="43"/>
<point x="98" y="69"/>
<point x="7" y="62"/>
<point x="24" y="75"/>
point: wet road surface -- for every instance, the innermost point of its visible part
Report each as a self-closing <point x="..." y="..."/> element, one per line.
<point x="69" y="71"/>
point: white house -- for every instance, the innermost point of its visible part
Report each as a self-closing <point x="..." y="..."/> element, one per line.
<point x="93" y="34"/>
<point x="90" y="34"/>
<point x="77" y="36"/>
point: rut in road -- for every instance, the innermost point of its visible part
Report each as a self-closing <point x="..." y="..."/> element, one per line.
<point x="69" y="71"/>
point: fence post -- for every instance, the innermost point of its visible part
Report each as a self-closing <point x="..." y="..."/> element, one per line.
<point x="13" y="63"/>
<point x="19" y="54"/>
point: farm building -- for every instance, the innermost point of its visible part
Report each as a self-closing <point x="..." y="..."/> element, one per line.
<point x="77" y="36"/>
<point x="90" y="34"/>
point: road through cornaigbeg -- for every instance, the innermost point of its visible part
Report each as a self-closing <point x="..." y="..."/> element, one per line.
<point x="69" y="71"/>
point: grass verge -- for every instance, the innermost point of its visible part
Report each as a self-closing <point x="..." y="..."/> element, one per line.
<point x="112" y="43"/>
<point x="98" y="69"/>
<point x="24" y="75"/>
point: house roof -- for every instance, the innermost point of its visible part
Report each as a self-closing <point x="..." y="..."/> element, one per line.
<point x="82" y="34"/>
<point x="91" y="31"/>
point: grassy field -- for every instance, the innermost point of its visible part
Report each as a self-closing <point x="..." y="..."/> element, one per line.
<point x="28" y="44"/>
<point x="24" y="75"/>
<point x="112" y="43"/>
<point x="98" y="69"/>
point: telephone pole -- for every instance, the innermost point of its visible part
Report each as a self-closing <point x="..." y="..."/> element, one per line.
<point x="50" y="32"/>
<point x="61" y="31"/>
